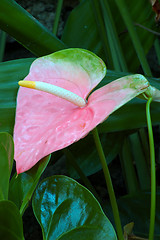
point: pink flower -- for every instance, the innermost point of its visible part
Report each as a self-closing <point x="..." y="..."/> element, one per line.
<point x="46" y="123"/>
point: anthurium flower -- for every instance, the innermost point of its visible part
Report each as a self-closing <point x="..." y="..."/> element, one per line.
<point x="45" y="122"/>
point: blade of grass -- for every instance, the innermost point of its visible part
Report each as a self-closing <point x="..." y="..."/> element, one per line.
<point x="128" y="168"/>
<point x="134" y="37"/>
<point x="139" y="159"/>
<point x="116" y="51"/>
<point x="102" y="32"/>
<point x="57" y="16"/>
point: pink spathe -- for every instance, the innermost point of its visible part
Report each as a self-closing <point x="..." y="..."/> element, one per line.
<point x="46" y="123"/>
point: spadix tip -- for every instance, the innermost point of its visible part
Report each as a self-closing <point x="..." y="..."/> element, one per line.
<point x="28" y="84"/>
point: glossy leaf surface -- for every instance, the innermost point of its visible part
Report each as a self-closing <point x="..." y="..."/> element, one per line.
<point x="11" y="227"/>
<point x="22" y="186"/>
<point x="6" y="161"/>
<point x="66" y="209"/>
<point x="29" y="32"/>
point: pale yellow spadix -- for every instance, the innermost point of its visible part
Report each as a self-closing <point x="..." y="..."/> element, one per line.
<point x="55" y="90"/>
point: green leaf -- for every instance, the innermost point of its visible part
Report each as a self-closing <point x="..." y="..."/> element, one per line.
<point x="81" y="29"/>
<point x="22" y="186"/>
<point x="29" y="32"/>
<point x="86" y="154"/>
<point x="11" y="227"/>
<point x="136" y="208"/>
<point x="6" y="161"/>
<point x="67" y="210"/>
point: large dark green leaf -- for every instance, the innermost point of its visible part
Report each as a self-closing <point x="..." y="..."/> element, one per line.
<point x="21" y="25"/>
<point x="81" y="29"/>
<point x="11" y="227"/>
<point x="136" y="208"/>
<point x="6" y="161"/>
<point x="67" y="210"/>
<point x="22" y="186"/>
<point x="86" y="155"/>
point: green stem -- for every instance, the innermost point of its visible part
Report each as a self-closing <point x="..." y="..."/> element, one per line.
<point x="109" y="184"/>
<point x="57" y="17"/>
<point x="153" y="172"/>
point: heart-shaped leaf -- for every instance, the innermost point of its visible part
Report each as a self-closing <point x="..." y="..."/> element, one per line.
<point x="11" y="227"/>
<point x="22" y="186"/>
<point x="67" y="210"/>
